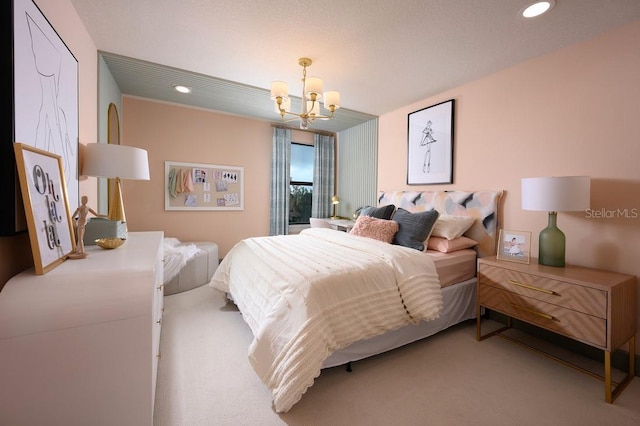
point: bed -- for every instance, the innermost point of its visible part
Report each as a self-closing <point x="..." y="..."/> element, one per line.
<point x="323" y="298"/>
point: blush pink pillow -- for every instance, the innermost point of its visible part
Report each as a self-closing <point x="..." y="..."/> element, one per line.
<point x="371" y="227"/>
<point x="447" y="246"/>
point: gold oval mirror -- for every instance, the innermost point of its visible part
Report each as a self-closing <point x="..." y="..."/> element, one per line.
<point x="113" y="136"/>
<point x="113" y="129"/>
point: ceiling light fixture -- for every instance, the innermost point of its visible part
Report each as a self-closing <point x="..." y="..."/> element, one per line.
<point x="537" y="8"/>
<point x="182" y="89"/>
<point x="311" y="95"/>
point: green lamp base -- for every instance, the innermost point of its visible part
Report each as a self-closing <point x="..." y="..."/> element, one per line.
<point x="551" y="246"/>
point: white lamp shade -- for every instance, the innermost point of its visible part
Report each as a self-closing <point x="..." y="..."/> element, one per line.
<point x="556" y="194"/>
<point x="115" y="161"/>
<point x="313" y="85"/>
<point x="279" y="89"/>
<point x="332" y="97"/>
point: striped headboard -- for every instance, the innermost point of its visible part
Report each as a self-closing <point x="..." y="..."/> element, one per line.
<point x="482" y="205"/>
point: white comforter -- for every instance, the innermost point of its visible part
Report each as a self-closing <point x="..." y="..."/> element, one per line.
<point x="305" y="296"/>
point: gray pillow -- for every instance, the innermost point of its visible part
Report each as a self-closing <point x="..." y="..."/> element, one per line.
<point x="384" y="212"/>
<point x="414" y="228"/>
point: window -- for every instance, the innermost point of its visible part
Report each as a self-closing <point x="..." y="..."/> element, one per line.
<point x="301" y="185"/>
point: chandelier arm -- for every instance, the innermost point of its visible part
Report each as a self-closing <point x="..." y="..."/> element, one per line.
<point x="283" y="112"/>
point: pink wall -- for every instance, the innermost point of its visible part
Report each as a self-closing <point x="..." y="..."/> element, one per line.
<point x="573" y="112"/>
<point x="175" y="133"/>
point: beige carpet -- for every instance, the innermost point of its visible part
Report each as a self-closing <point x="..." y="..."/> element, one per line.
<point x="204" y="378"/>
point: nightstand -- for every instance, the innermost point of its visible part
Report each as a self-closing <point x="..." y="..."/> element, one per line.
<point x="592" y="306"/>
<point x="341" y="224"/>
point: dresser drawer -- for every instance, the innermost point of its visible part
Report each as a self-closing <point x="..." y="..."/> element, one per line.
<point x="583" y="299"/>
<point x="568" y="322"/>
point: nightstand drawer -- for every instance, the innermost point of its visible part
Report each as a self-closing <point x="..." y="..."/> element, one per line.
<point x="568" y="322"/>
<point x="587" y="300"/>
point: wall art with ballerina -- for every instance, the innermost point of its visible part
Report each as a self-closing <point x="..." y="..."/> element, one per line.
<point x="430" y="145"/>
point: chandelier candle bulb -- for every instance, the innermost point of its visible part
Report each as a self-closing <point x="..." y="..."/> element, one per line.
<point x="331" y="99"/>
<point x="279" y="89"/>
<point x="313" y="86"/>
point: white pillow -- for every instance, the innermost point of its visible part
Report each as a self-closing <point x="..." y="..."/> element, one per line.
<point x="451" y="227"/>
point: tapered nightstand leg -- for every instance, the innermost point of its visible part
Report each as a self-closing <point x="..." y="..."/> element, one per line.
<point x="607" y="377"/>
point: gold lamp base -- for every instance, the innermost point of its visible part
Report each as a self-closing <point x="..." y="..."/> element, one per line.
<point x="335" y="200"/>
<point x="116" y="206"/>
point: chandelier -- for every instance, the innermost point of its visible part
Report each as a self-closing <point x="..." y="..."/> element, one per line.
<point x="311" y="96"/>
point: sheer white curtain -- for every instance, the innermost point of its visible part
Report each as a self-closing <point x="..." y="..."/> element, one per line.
<point x="323" y="175"/>
<point x="280" y="177"/>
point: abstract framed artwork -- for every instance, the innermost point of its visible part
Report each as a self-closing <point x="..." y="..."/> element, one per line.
<point x="46" y="206"/>
<point x="514" y="246"/>
<point x="430" y="145"/>
<point x="44" y="103"/>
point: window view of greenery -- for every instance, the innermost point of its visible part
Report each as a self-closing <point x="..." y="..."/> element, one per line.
<point x="301" y="185"/>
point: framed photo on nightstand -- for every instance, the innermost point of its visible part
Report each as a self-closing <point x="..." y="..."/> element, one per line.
<point x="514" y="246"/>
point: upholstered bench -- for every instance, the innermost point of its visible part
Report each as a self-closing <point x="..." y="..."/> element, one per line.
<point x="197" y="271"/>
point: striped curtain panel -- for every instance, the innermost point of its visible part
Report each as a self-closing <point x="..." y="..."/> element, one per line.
<point x="280" y="171"/>
<point x="323" y="175"/>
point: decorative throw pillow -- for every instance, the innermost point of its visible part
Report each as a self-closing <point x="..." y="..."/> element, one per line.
<point x="414" y="228"/>
<point x="384" y="212"/>
<point x="447" y="246"/>
<point x="451" y="227"/>
<point x="371" y="227"/>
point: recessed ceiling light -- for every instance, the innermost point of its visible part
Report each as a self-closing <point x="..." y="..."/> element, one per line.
<point x="538" y="8"/>
<point x="182" y="89"/>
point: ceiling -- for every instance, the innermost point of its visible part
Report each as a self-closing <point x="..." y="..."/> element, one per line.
<point x="380" y="55"/>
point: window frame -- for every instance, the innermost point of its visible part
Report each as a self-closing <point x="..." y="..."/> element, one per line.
<point x="300" y="183"/>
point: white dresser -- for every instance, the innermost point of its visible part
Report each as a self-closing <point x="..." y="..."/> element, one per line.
<point x="79" y="345"/>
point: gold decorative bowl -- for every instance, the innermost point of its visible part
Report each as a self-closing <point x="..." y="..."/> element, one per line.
<point x="110" y="243"/>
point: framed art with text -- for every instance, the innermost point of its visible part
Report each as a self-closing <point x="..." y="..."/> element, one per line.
<point x="44" y="194"/>
<point x="430" y="145"/>
<point x="43" y="89"/>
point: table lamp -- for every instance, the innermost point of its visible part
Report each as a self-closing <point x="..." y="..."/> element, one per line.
<point x="335" y="200"/>
<point x="554" y="194"/>
<point x="117" y="162"/>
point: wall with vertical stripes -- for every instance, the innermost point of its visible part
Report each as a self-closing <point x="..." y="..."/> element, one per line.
<point x="357" y="167"/>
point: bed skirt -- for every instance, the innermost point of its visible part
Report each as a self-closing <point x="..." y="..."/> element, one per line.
<point x="459" y="304"/>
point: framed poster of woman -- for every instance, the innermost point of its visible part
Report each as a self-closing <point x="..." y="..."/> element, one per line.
<point x="44" y="103"/>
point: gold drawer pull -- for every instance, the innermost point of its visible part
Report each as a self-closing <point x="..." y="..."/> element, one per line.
<point x="530" y="287"/>
<point x="531" y="311"/>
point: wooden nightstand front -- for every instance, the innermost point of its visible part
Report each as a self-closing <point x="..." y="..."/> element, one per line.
<point x="592" y="306"/>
